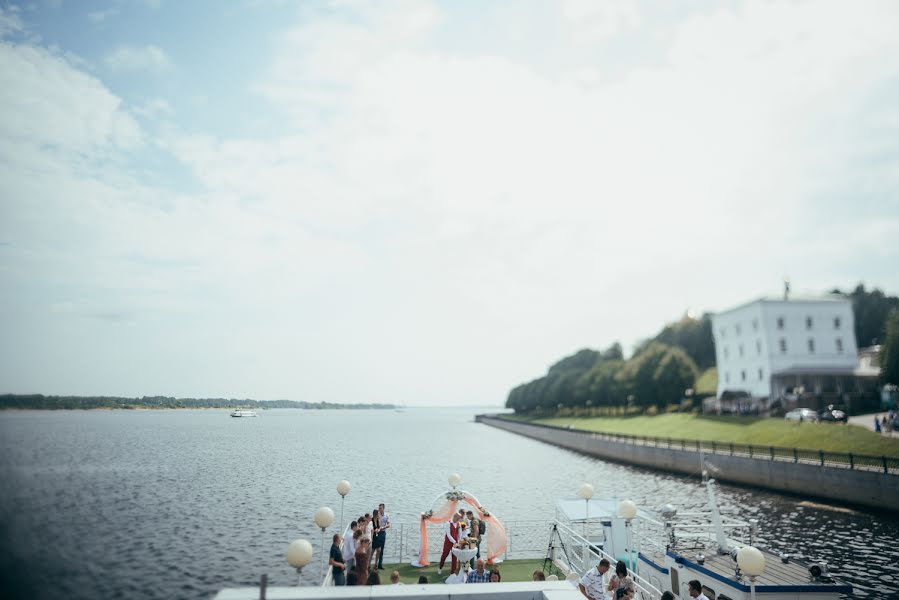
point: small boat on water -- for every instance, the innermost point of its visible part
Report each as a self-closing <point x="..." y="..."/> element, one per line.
<point x="243" y="412"/>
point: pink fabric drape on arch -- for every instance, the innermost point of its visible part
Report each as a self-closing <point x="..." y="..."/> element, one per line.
<point x="496" y="533"/>
<point x="441" y="515"/>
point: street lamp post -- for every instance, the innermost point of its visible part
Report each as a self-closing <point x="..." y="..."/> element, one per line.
<point x="324" y="516"/>
<point x="343" y="488"/>
<point x="299" y="554"/>
<point x="586" y="492"/>
<point x="627" y="510"/>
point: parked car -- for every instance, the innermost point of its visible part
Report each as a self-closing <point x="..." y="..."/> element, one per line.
<point x="802" y="414"/>
<point x="833" y="415"/>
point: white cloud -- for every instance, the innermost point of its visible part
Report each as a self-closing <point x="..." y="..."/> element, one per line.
<point x="46" y="102"/>
<point x="591" y="21"/>
<point x="100" y="16"/>
<point x="132" y="58"/>
<point x="10" y="21"/>
<point x="423" y="205"/>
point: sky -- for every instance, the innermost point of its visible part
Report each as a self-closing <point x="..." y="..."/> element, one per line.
<point x="422" y="202"/>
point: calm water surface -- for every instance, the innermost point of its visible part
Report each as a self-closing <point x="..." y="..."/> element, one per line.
<point x="178" y="504"/>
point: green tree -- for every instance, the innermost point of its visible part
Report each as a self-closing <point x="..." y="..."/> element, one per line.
<point x="658" y="375"/>
<point x="582" y="360"/>
<point x="889" y="354"/>
<point x="871" y="310"/>
<point x="693" y="335"/>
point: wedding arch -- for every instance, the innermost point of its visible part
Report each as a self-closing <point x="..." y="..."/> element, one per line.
<point x="496" y="532"/>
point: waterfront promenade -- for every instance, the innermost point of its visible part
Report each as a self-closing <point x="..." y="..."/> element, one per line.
<point x="871" y="481"/>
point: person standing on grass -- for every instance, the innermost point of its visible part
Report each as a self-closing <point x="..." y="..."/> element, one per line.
<point x="378" y="539"/>
<point x="384" y="521"/>
<point x="474" y="531"/>
<point x="450" y="539"/>
<point x="349" y="546"/>
<point x="360" y="568"/>
<point x="338" y="567"/>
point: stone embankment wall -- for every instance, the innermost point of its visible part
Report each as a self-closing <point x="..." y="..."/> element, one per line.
<point x="859" y="487"/>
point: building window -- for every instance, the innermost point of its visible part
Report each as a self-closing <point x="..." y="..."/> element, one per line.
<point x="741" y="350"/>
<point x="836" y="322"/>
<point x="839" y="345"/>
<point x="761" y="375"/>
<point x="755" y="324"/>
<point x="808" y="322"/>
<point x="738" y="329"/>
<point x="758" y="347"/>
<point x="723" y="331"/>
<point x="725" y="353"/>
<point x="811" y="346"/>
<point x="780" y="322"/>
<point x="727" y="377"/>
<point x="783" y="346"/>
<point x="743" y="375"/>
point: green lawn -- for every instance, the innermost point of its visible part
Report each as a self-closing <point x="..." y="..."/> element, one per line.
<point x="511" y="570"/>
<point x="742" y="430"/>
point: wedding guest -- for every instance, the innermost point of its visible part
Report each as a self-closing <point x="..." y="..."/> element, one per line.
<point x="538" y="576"/>
<point x="385" y="525"/>
<point x="695" y="590"/>
<point x="395" y="578"/>
<point x="423" y="579"/>
<point x="474" y="531"/>
<point x="450" y="539"/>
<point x="374" y="578"/>
<point x="495" y="576"/>
<point x="351" y="578"/>
<point x="360" y="566"/>
<point x="667" y="596"/>
<point x="479" y="575"/>
<point x="369" y="527"/>
<point x="595" y="582"/>
<point x="621" y="580"/>
<point x="338" y="566"/>
<point x="378" y="540"/>
<point x="349" y="546"/>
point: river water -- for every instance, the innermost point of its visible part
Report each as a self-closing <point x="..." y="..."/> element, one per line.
<point x="179" y="504"/>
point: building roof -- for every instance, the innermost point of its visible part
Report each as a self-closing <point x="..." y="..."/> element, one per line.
<point x="793" y="299"/>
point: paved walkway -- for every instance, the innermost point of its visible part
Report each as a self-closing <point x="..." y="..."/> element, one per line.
<point x="868" y="422"/>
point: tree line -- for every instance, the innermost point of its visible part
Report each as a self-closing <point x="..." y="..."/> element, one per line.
<point x="664" y="367"/>
<point x="660" y="374"/>
<point x="42" y="402"/>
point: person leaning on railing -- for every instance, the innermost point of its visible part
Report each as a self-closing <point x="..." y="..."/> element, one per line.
<point x="595" y="582"/>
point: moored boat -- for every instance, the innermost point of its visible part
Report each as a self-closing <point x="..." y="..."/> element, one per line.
<point x="243" y="412"/>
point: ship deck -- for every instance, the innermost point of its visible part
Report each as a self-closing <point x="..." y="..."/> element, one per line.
<point x="777" y="573"/>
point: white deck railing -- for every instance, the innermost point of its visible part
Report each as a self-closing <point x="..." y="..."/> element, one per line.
<point x="525" y="539"/>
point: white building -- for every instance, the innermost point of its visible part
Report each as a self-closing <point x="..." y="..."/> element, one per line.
<point x="772" y="348"/>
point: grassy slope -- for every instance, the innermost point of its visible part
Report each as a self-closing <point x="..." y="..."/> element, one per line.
<point x="744" y="430"/>
<point x="511" y="570"/>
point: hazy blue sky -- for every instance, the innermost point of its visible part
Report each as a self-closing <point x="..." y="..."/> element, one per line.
<point x="422" y="202"/>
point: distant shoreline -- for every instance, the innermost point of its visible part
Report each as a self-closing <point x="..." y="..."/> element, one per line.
<point x="41" y="402"/>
